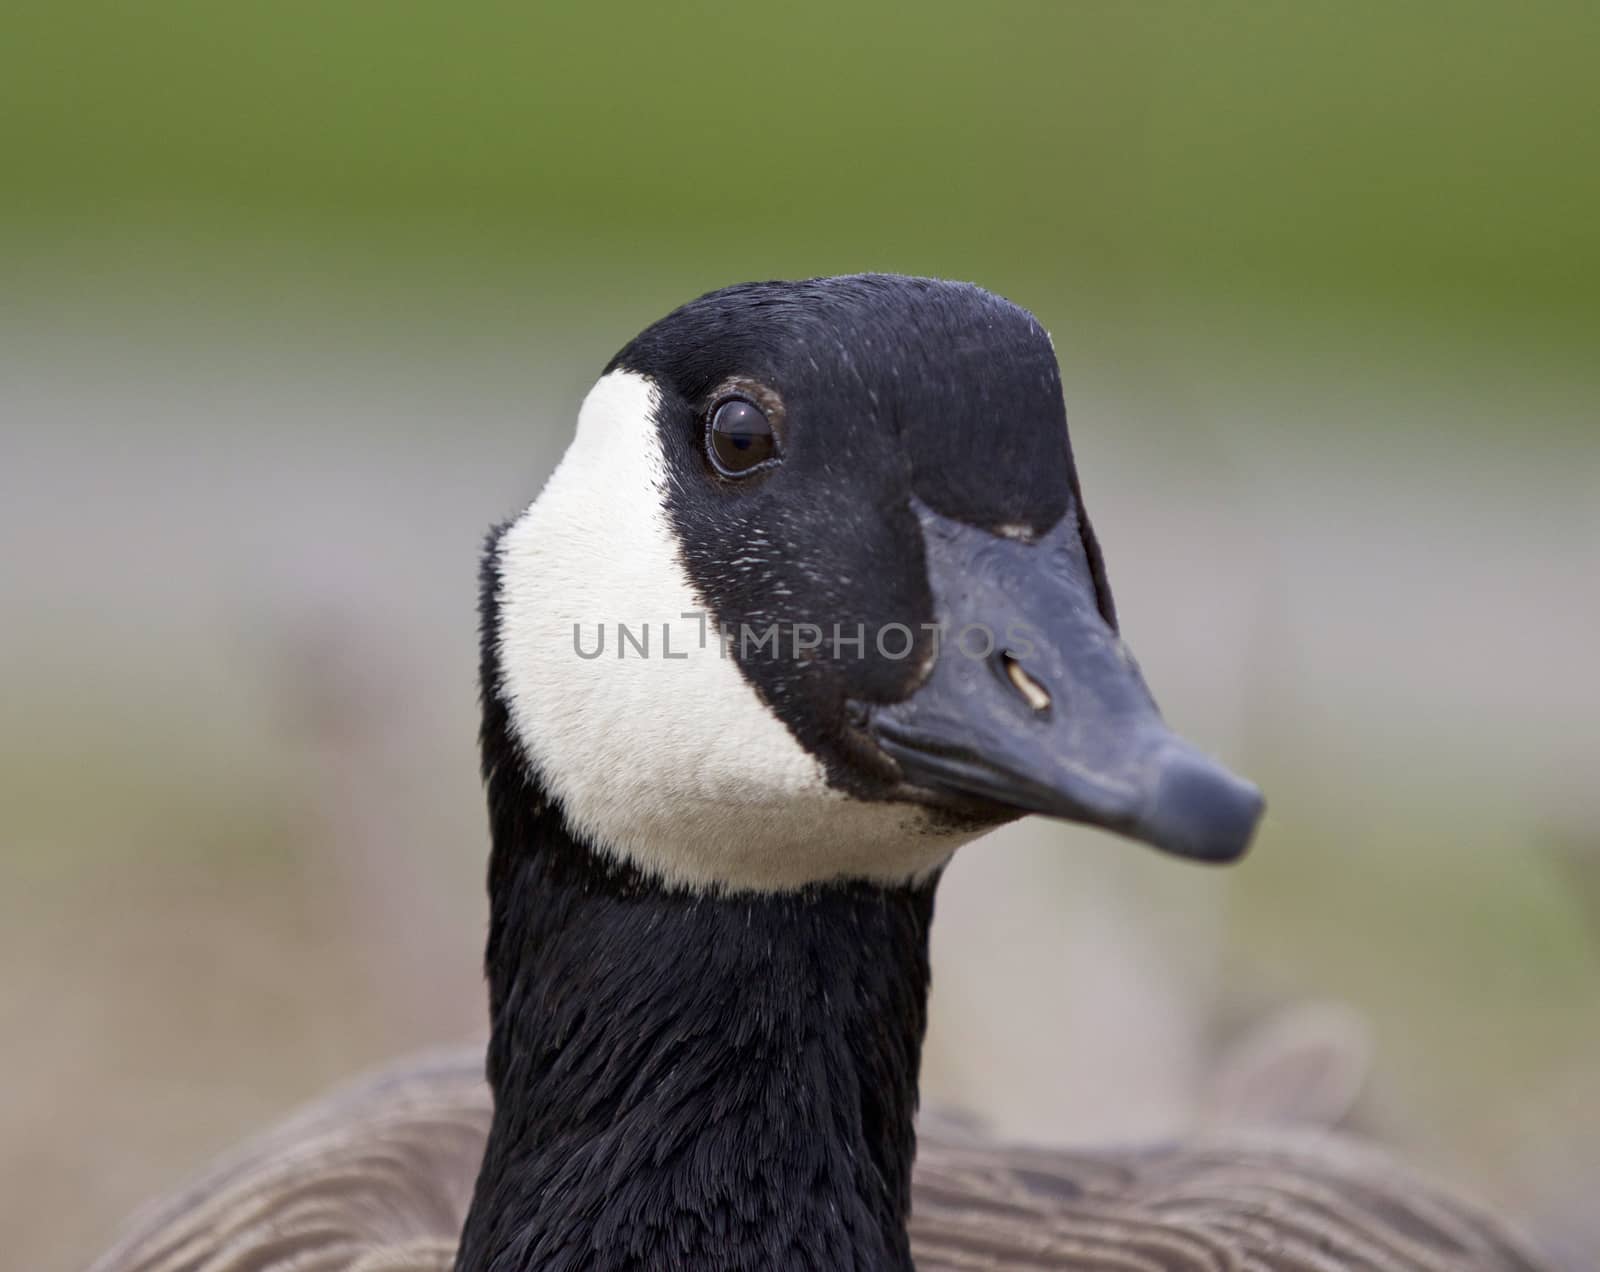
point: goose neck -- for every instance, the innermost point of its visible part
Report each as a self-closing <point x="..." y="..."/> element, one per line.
<point x="693" y="1080"/>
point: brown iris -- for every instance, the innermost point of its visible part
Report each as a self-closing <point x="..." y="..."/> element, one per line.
<point x="739" y="437"/>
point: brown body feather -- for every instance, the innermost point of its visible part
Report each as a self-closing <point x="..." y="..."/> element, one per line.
<point x="377" y="1178"/>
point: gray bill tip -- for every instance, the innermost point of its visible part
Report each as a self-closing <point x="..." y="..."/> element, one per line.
<point x="1198" y="809"/>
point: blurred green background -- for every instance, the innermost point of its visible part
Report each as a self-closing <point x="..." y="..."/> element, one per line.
<point x="295" y="299"/>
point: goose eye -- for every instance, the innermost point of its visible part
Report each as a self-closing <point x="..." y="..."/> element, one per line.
<point x="739" y="437"/>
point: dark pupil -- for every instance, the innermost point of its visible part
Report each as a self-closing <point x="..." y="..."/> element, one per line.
<point x="741" y="436"/>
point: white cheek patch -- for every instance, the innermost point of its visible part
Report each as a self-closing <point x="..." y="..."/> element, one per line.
<point x="674" y="764"/>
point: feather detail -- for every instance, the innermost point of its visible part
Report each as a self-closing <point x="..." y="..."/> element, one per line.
<point x="377" y="1178"/>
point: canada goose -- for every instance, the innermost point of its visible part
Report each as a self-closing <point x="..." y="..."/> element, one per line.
<point x="811" y="600"/>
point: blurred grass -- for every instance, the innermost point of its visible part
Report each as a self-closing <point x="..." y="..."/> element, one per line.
<point x="1436" y="162"/>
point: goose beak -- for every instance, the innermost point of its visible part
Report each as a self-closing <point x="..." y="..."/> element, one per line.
<point x="1035" y="705"/>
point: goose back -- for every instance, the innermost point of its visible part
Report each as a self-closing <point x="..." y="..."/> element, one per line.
<point x="378" y="1177"/>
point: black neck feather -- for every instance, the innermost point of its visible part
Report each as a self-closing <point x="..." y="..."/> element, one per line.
<point x="684" y="1080"/>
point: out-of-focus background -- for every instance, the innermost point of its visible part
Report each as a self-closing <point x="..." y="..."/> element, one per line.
<point x="295" y="299"/>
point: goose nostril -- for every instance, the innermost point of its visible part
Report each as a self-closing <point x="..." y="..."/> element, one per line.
<point x="1033" y="693"/>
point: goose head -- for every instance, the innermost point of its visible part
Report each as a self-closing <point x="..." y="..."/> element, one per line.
<point x="812" y="596"/>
